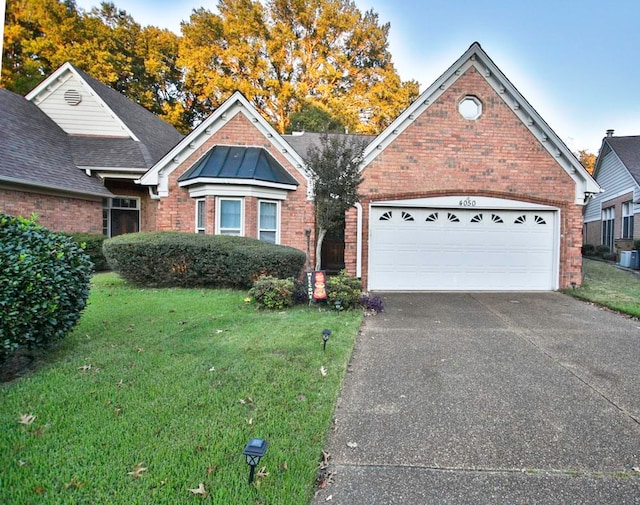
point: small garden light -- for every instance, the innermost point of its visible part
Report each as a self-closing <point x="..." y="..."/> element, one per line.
<point x="325" y="338"/>
<point x="253" y="451"/>
<point x="338" y="305"/>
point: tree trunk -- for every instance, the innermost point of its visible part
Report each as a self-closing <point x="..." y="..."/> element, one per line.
<point x="321" y="234"/>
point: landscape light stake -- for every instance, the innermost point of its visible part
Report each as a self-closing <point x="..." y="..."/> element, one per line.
<point x="325" y="338"/>
<point x="253" y="451"/>
<point x="338" y="305"/>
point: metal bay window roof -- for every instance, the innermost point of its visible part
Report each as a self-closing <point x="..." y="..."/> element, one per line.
<point x="235" y="162"/>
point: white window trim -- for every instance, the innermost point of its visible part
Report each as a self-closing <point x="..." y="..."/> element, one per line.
<point x="204" y="215"/>
<point x="219" y="201"/>
<point x="277" y="230"/>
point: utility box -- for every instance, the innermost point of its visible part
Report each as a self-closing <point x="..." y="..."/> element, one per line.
<point x="625" y="259"/>
<point x="630" y="259"/>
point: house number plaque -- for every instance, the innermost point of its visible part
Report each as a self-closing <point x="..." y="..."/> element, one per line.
<point x="467" y="202"/>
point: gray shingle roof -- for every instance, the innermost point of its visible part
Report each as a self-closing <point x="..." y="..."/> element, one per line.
<point x="157" y="136"/>
<point x="628" y="150"/>
<point x="233" y="162"/>
<point x="35" y="151"/>
<point x="301" y="143"/>
<point x="109" y="152"/>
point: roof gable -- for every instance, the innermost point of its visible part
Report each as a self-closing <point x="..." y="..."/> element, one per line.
<point x="237" y="104"/>
<point x="477" y="58"/>
<point x="83" y="106"/>
<point x="35" y="151"/>
<point x="627" y="149"/>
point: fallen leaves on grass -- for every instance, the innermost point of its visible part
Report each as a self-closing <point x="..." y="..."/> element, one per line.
<point x="73" y="484"/>
<point x="199" y="490"/>
<point x="262" y="473"/>
<point x="26" y="419"/>
<point x="323" y="371"/>
<point x="137" y="471"/>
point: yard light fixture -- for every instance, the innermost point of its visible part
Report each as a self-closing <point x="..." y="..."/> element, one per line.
<point x="253" y="451"/>
<point x="338" y="305"/>
<point x="325" y="338"/>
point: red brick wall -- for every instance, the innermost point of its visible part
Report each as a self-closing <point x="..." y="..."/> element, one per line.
<point x="177" y="211"/>
<point x="57" y="213"/>
<point x="442" y="153"/>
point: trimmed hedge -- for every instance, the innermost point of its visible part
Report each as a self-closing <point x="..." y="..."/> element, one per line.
<point x="93" y="247"/>
<point x="176" y="259"/>
<point x="44" y="284"/>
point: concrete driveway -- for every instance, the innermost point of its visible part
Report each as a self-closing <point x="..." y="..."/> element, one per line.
<point x="472" y="398"/>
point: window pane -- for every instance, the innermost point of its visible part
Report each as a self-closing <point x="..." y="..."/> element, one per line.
<point x="230" y="214"/>
<point x="268" y="236"/>
<point x="268" y="216"/>
<point x="200" y="214"/>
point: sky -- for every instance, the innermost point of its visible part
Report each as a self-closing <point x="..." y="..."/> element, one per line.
<point x="572" y="60"/>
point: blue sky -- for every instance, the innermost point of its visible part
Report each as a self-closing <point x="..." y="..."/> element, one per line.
<point x="573" y="60"/>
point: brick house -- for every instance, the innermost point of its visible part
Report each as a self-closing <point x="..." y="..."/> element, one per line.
<point x="468" y="189"/>
<point x="609" y="217"/>
<point x="71" y="151"/>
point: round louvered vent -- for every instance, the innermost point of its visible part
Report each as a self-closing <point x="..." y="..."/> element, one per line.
<point x="72" y="97"/>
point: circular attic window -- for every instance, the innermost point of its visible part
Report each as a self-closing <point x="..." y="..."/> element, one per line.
<point x="72" y="97"/>
<point x="470" y="108"/>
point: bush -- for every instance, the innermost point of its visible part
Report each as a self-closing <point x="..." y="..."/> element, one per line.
<point x="92" y="245"/>
<point x="175" y="259"/>
<point x="601" y="250"/>
<point x="372" y="303"/>
<point x="588" y="250"/>
<point x="272" y="293"/>
<point x="44" y="284"/>
<point x="345" y="289"/>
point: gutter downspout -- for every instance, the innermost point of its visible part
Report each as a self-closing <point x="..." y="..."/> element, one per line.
<point x="359" y="240"/>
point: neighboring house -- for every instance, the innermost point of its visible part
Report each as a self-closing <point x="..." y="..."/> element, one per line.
<point x="468" y="189"/>
<point x="609" y="216"/>
<point x="71" y="151"/>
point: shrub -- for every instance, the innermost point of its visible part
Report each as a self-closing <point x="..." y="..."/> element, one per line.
<point x="44" y="284"/>
<point x="588" y="250"/>
<point x="272" y="293"/>
<point x="610" y="257"/>
<point x="344" y="288"/>
<point x="92" y="245"/>
<point x="601" y="250"/>
<point x="175" y="259"/>
<point x="372" y="303"/>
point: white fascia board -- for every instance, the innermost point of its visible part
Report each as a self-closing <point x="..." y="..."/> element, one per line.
<point x="236" y="182"/>
<point x="158" y="175"/>
<point x="238" y="191"/>
<point x="475" y="56"/>
<point x="62" y="74"/>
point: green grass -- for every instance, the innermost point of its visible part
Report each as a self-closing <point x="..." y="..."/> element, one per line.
<point x="179" y="381"/>
<point x="609" y="286"/>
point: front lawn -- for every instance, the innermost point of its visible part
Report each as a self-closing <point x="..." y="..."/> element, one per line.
<point x="158" y="391"/>
<point x="609" y="286"/>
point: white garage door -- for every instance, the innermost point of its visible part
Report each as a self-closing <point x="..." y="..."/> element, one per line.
<point x="461" y="249"/>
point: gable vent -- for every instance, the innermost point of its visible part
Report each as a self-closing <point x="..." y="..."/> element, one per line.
<point x="72" y="97"/>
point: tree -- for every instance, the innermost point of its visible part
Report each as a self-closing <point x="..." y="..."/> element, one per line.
<point x="286" y="55"/>
<point x="588" y="160"/>
<point x="107" y="43"/>
<point x="313" y="118"/>
<point x="336" y="177"/>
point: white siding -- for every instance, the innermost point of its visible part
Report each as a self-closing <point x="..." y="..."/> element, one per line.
<point x="615" y="180"/>
<point x="89" y="117"/>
